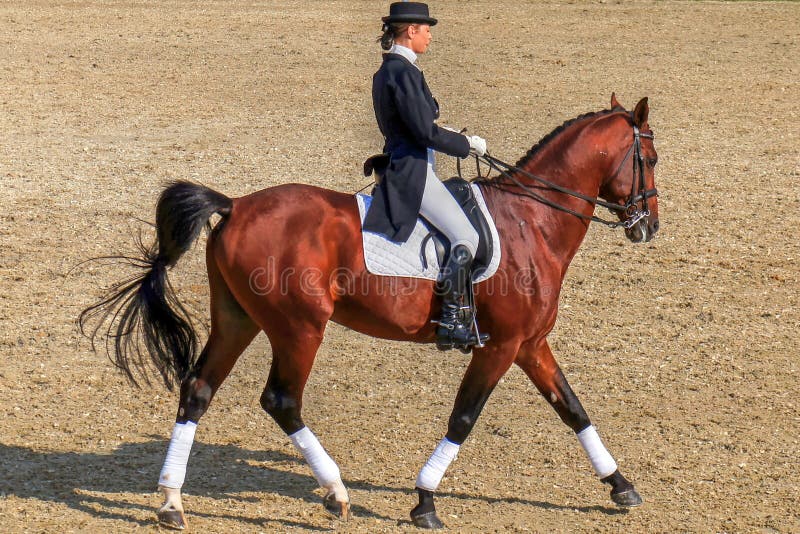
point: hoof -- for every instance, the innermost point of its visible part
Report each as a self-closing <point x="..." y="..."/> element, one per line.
<point x="427" y="520"/>
<point x="338" y="509"/>
<point x="628" y="498"/>
<point x="172" y="519"/>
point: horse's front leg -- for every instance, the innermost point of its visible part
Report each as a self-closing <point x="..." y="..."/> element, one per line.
<point x="537" y="360"/>
<point x="488" y="365"/>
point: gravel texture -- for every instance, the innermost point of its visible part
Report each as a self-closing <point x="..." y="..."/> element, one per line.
<point x="684" y="351"/>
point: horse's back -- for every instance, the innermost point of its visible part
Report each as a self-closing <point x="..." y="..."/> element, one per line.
<point x="293" y="200"/>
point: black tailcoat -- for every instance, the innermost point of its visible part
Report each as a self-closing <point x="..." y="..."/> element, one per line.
<point x="405" y="110"/>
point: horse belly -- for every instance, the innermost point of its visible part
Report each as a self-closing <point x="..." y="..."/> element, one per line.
<point x="386" y="307"/>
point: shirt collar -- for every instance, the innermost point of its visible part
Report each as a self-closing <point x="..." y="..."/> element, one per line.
<point x="404" y="51"/>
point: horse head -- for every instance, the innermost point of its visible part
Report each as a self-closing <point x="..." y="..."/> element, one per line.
<point x="632" y="184"/>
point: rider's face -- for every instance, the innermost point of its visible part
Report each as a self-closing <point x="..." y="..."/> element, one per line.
<point x="420" y="35"/>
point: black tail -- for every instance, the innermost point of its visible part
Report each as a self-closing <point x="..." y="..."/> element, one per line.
<point x="142" y="314"/>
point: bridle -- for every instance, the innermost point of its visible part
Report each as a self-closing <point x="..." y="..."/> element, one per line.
<point x="639" y="191"/>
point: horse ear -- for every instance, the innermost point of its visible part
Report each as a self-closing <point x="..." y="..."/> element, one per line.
<point x="614" y="103"/>
<point x="641" y="112"/>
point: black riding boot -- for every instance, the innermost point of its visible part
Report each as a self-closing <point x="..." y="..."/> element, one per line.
<point x="455" y="326"/>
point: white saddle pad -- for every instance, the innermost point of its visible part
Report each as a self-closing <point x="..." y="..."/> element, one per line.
<point x="403" y="259"/>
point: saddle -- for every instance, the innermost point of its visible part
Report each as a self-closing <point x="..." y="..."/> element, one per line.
<point x="462" y="192"/>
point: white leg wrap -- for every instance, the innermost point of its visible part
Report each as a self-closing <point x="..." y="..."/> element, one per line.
<point x="174" y="471"/>
<point x="432" y="472"/>
<point x="602" y="461"/>
<point x="324" y="468"/>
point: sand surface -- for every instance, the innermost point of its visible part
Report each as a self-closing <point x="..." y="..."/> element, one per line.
<point x="684" y="351"/>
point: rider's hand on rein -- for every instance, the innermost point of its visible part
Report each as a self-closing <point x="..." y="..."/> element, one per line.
<point x="477" y="145"/>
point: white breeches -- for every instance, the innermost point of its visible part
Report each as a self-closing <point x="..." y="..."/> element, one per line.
<point x="441" y="210"/>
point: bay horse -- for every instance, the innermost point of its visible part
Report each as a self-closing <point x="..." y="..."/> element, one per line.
<point x="288" y="259"/>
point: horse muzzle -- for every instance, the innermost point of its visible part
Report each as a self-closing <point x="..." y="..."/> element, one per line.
<point x="643" y="230"/>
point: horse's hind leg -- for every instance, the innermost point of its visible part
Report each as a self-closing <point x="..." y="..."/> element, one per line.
<point x="539" y="364"/>
<point x="294" y="346"/>
<point x="231" y="332"/>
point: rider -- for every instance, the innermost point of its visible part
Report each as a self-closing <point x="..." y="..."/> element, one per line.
<point x="406" y="111"/>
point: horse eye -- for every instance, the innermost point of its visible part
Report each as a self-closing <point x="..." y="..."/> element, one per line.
<point x="652" y="162"/>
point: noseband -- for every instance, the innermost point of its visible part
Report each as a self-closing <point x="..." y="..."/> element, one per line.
<point x="639" y="191"/>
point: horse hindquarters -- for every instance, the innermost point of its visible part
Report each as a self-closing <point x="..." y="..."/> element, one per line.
<point x="283" y="284"/>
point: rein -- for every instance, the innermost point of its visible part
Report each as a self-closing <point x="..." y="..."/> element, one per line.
<point x="632" y="212"/>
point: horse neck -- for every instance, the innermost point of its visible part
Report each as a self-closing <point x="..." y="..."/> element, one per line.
<point x="569" y="161"/>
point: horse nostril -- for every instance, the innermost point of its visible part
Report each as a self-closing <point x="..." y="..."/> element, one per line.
<point x="655" y="226"/>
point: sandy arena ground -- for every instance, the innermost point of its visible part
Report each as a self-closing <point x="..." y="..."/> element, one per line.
<point x="684" y="351"/>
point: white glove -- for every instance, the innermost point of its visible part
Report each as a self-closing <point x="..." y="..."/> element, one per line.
<point x="477" y="144"/>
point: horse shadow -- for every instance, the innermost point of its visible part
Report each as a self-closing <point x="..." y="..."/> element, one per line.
<point x="76" y="479"/>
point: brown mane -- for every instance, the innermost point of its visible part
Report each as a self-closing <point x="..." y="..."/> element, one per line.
<point x="549" y="137"/>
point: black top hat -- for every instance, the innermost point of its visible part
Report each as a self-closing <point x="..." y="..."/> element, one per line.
<point x="409" y="12"/>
